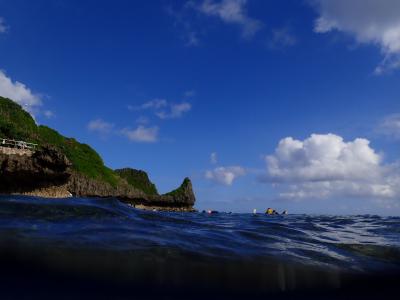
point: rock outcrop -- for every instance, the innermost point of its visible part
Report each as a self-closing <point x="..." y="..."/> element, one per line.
<point x="48" y="173"/>
<point x="182" y="199"/>
<point x="21" y="173"/>
<point x="138" y="179"/>
<point x="64" y="167"/>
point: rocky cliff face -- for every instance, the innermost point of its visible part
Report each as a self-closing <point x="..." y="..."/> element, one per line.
<point x="48" y="173"/>
<point x="22" y="173"/>
<point x="184" y="199"/>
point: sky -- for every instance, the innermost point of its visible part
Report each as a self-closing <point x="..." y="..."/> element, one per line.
<point x="286" y="104"/>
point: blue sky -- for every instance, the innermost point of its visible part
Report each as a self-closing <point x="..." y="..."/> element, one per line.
<point x="162" y="85"/>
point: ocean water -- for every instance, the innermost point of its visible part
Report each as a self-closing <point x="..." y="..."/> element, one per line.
<point x="106" y="246"/>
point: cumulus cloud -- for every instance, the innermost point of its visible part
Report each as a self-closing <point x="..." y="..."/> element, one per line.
<point x="231" y="12"/>
<point x="368" y="21"/>
<point x="3" y="26"/>
<point x="19" y="92"/>
<point x="100" y="126"/>
<point x="214" y="158"/>
<point x="225" y="175"/>
<point x="390" y="126"/>
<point x="142" y="134"/>
<point x="324" y="165"/>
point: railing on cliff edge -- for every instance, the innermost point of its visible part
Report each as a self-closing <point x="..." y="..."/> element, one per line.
<point x="17" y="144"/>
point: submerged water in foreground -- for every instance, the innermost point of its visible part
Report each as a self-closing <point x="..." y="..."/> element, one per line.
<point x="108" y="240"/>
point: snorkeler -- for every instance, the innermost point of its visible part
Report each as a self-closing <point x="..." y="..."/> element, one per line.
<point x="271" y="211"/>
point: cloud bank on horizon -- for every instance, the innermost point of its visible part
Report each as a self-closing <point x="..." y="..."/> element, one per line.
<point x="324" y="165"/>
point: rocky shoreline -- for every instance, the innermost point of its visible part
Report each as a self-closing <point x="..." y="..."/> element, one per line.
<point x="48" y="173"/>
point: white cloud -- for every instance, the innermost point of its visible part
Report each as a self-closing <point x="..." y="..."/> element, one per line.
<point x="163" y="109"/>
<point x="214" y="158"/>
<point x="19" y="93"/>
<point x="188" y="34"/>
<point x="100" y="126"/>
<point x="174" y="111"/>
<point x="231" y="12"/>
<point x="390" y="126"/>
<point x="3" y="26"/>
<point x="324" y="165"/>
<point x="142" y="134"/>
<point x="281" y="38"/>
<point x="156" y="103"/>
<point x="368" y="21"/>
<point x="152" y="104"/>
<point x="225" y="175"/>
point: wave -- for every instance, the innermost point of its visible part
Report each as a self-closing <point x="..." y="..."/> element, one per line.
<point x="113" y="241"/>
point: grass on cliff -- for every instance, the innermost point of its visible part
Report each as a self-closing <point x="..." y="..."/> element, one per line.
<point x="83" y="158"/>
<point x="180" y="191"/>
<point x="138" y="179"/>
<point x="16" y="123"/>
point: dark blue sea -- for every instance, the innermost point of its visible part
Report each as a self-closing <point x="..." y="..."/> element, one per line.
<point x="104" y="249"/>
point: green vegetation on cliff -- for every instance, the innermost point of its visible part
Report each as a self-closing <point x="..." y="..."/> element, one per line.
<point x="138" y="179"/>
<point x="18" y="124"/>
<point x="182" y="189"/>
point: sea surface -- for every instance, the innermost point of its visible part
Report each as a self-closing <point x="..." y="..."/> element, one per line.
<point x="106" y="243"/>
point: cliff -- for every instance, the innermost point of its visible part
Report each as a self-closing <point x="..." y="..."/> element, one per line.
<point x="63" y="167"/>
<point x="23" y="172"/>
<point x="138" y="179"/>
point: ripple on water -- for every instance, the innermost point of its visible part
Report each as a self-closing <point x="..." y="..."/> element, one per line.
<point x="358" y="242"/>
